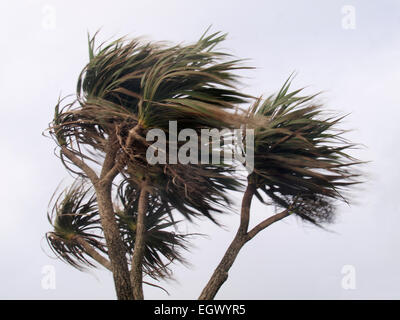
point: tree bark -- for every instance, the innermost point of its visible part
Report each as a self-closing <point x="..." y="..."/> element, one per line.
<point x="139" y="248"/>
<point x="103" y="187"/>
<point x="88" y="249"/>
<point x="116" y="248"/>
<point x="93" y="253"/>
<point x="220" y="274"/>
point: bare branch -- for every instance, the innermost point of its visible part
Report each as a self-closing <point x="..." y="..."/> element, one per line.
<point x="80" y="164"/>
<point x="153" y="285"/>
<point x="93" y="253"/>
<point x="157" y="286"/>
<point x="267" y="222"/>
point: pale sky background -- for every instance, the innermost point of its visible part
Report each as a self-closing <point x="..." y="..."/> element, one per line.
<point x="358" y="70"/>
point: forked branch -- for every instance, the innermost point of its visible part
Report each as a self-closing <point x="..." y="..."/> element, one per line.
<point x="220" y="274"/>
<point x="267" y="222"/>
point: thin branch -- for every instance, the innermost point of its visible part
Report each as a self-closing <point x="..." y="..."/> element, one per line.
<point x="153" y="285"/>
<point x="267" y="222"/>
<point x="80" y="164"/>
<point x="93" y="253"/>
<point x="157" y="286"/>
<point x="139" y="248"/>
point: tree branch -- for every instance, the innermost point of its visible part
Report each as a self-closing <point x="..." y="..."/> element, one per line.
<point x="133" y="134"/>
<point x="93" y="253"/>
<point x="138" y="250"/>
<point x="220" y="274"/>
<point x="152" y="284"/>
<point x="109" y="177"/>
<point x="110" y="165"/>
<point x="115" y="244"/>
<point x="104" y="262"/>
<point x="80" y="164"/>
<point x="245" y="209"/>
<point x="267" y="222"/>
<point x="116" y="248"/>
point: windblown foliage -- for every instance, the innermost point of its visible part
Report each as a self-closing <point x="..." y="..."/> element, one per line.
<point x="74" y="215"/>
<point x="301" y="158"/>
<point x="163" y="245"/>
<point x="128" y="88"/>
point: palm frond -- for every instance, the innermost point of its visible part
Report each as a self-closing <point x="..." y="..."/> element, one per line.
<point x="300" y="153"/>
<point x="74" y="214"/>
<point x="129" y="87"/>
<point x="162" y="244"/>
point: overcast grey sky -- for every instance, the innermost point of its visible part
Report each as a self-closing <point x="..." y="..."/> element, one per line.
<point x="44" y="47"/>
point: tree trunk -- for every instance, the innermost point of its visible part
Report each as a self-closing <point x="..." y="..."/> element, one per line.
<point x="116" y="249"/>
<point x="220" y="274"/>
<point x="138" y="250"/>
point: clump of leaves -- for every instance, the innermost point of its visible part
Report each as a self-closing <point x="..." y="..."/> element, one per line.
<point x="163" y="245"/>
<point x="300" y="156"/>
<point x="74" y="216"/>
<point x="129" y="87"/>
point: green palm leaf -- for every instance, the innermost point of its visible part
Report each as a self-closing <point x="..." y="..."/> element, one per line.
<point x="74" y="215"/>
<point x="300" y="156"/>
<point x="133" y="86"/>
<point x="162" y="244"/>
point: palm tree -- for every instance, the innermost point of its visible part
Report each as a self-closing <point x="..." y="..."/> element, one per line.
<point x="301" y="166"/>
<point x="129" y="88"/>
